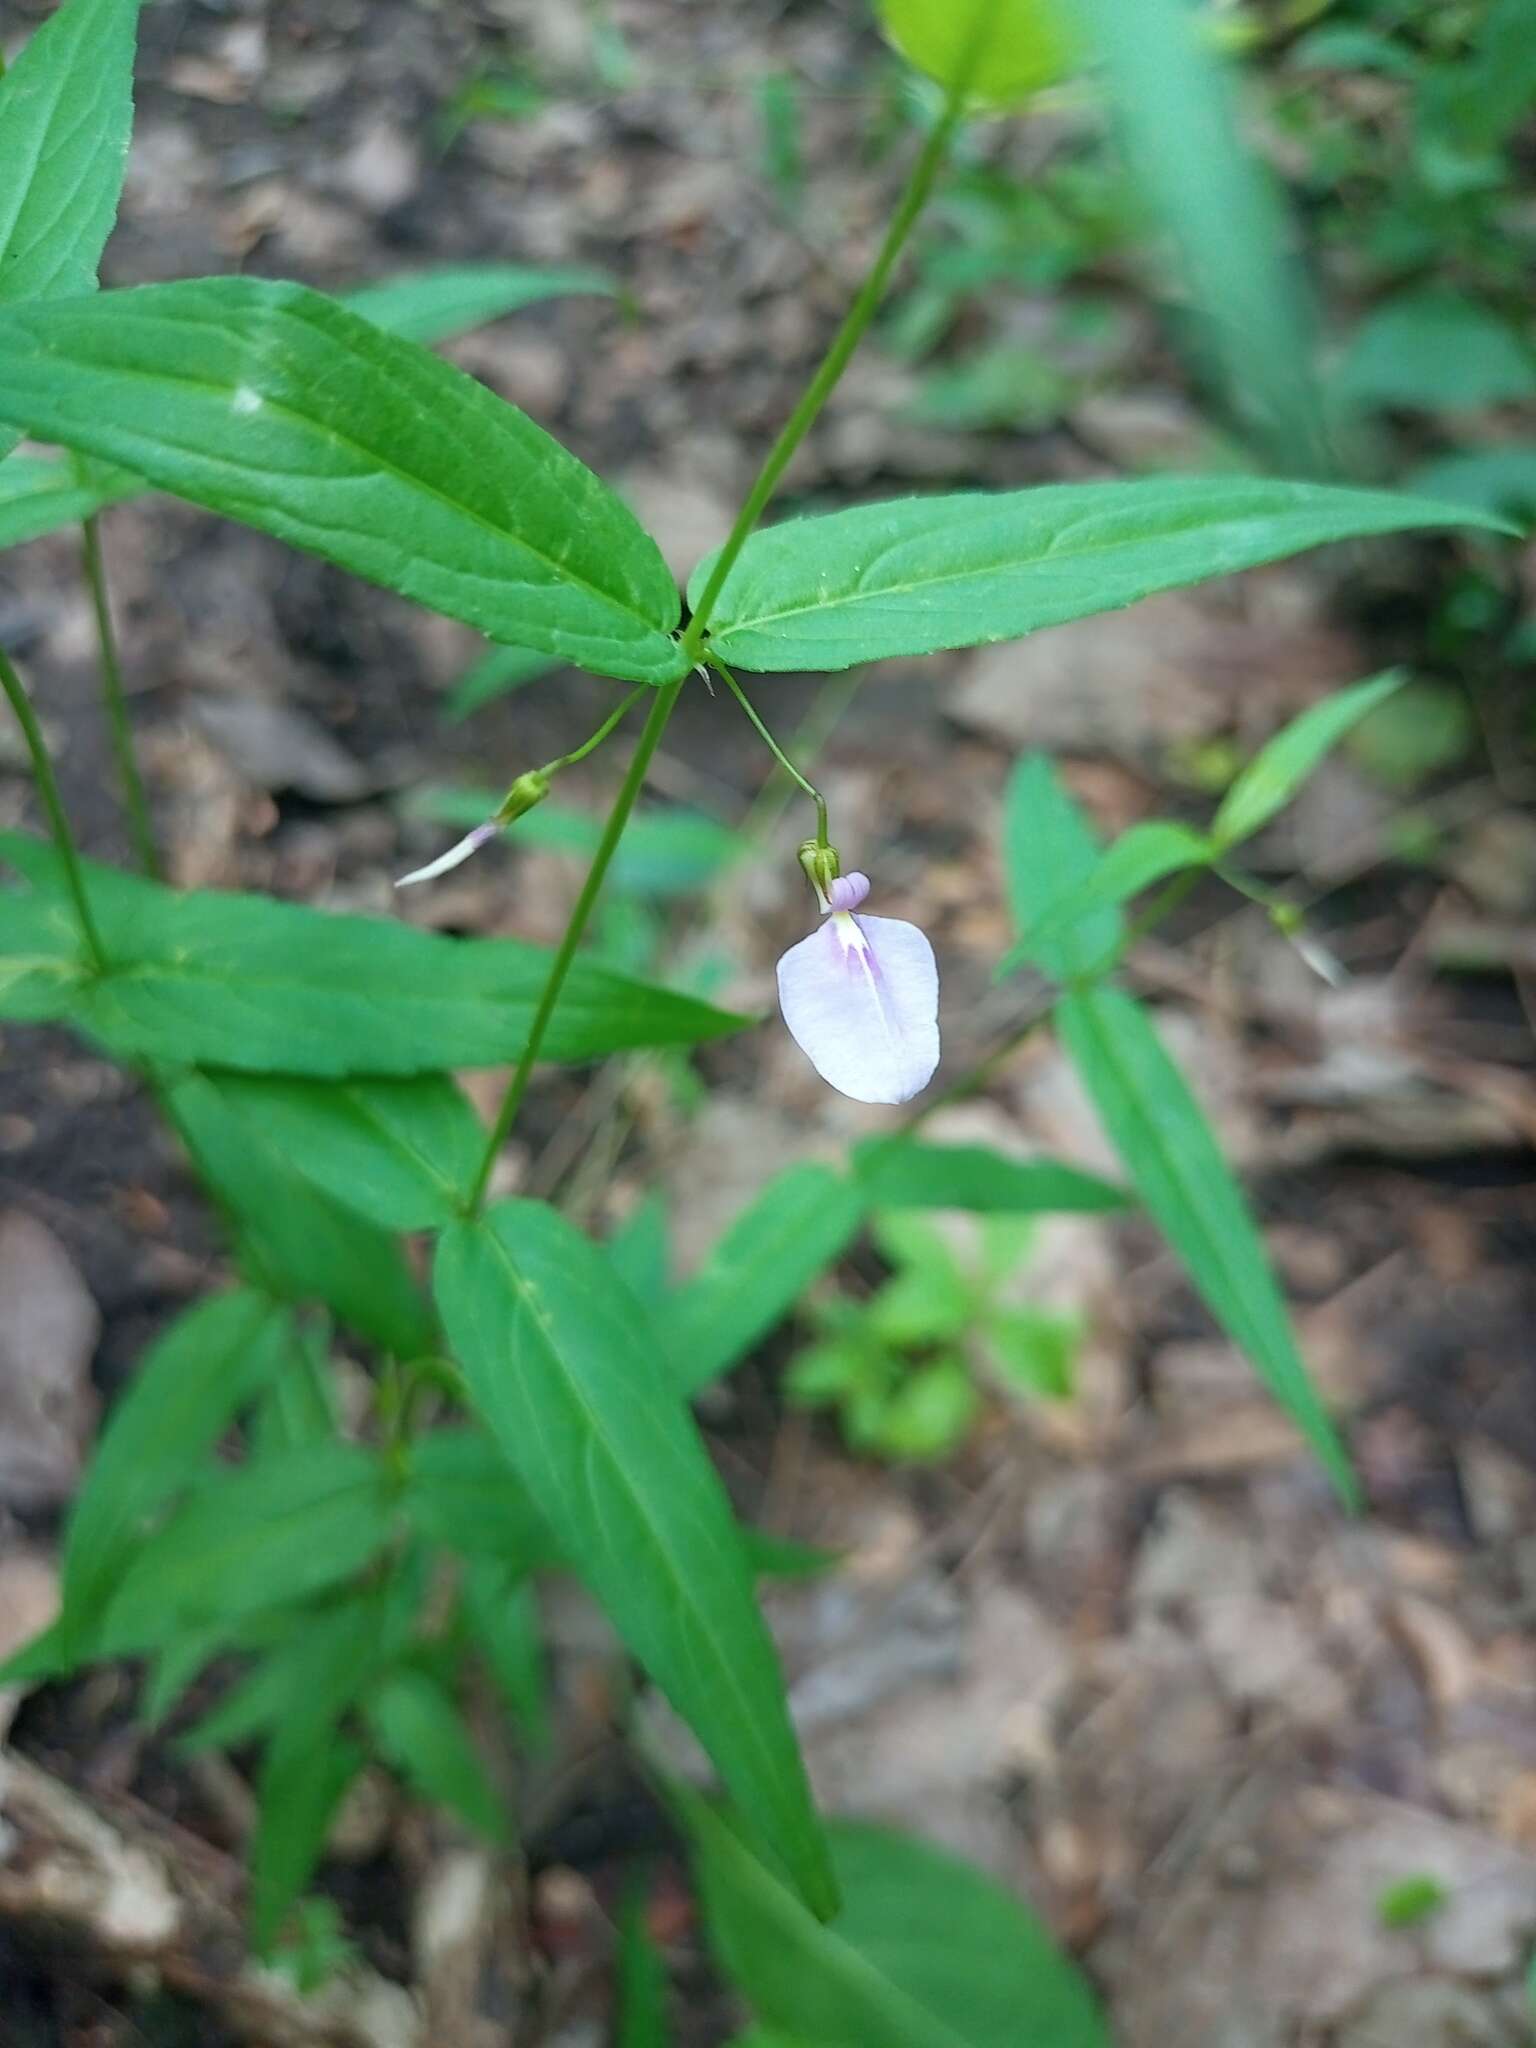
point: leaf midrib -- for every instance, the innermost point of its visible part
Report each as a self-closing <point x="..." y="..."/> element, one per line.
<point x="748" y="1718"/>
<point x="1082" y="552"/>
<point x="357" y="448"/>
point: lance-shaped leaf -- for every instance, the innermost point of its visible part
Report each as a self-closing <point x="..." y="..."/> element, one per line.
<point x="210" y="979"/>
<point x="66" y="112"/>
<point x="293" y="1239"/>
<point x="286" y="410"/>
<point x="1283" y="763"/>
<point x="1147" y="853"/>
<point x="210" y="1363"/>
<point x="919" y="574"/>
<point x="560" y="1369"/>
<point x="926" y="1953"/>
<point x="39" y="493"/>
<point x="904" y="1173"/>
<point x="1160" y="1131"/>
<point x="797" y="1225"/>
<point x="399" y="1152"/>
<point x="433" y="305"/>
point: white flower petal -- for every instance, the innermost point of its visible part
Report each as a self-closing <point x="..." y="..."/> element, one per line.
<point x="861" y="999"/>
<point x="454" y="857"/>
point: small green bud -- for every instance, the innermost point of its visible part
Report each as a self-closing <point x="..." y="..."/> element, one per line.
<point x="821" y="865"/>
<point x="528" y="790"/>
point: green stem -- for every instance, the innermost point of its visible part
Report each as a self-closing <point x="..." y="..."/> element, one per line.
<point x="819" y="390"/>
<point x="774" y="748"/>
<point x="580" y="753"/>
<point x="613" y="831"/>
<point x="140" y="829"/>
<point x="1163" y="905"/>
<point x="53" y="804"/>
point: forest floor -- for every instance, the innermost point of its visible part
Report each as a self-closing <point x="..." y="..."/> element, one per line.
<point x="1124" y="1650"/>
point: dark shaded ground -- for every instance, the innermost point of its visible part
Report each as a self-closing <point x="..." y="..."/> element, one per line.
<point x="1123" y="1651"/>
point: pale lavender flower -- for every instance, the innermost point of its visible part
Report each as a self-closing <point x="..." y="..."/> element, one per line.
<point x="861" y="998"/>
<point x="454" y="857"/>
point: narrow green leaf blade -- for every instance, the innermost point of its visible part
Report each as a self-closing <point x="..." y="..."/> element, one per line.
<point x="39" y="494"/>
<point x="193" y="1381"/>
<point x="917" y="575"/>
<point x="560" y="1369"/>
<point x="461" y="1492"/>
<point x="1283" y="764"/>
<point x="421" y="1732"/>
<point x="400" y="1153"/>
<point x="1147" y="853"/>
<point x="907" y="1174"/>
<point x="434" y="305"/>
<point x="1160" y="1132"/>
<point x="66" y="110"/>
<point x="1048" y="852"/>
<point x="642" y="1980"/>
<point x="801" y="1221"/>
<point x="497" y="674"/>
<point x="502" y="1615"/>
<point x="926" y="1953"/>
<point x="281" y="408"/>
<point x="253" y="1537"/>
<point x="295" y="1240"/>
<point x="303" y="1779"/>
<point x="204" y="978"/>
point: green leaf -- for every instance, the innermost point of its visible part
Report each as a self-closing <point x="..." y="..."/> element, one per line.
<point x="1027" y="44"/>
<point x="1048" y="851"/>
<point x="295" y="1240"/>
<point x="1423" y="730"/>
<point x="1242" y="311"/>
<point x="502" y="1614"/>
<point x="496" y="674"/>
<point x="930" y="1412"/>
<point x="770" y="1253"/>
<point x="421" y="1733"/>
<point x="642" y="1980"/>
<point x="298" y="1406"/>
<point x="317" y="1667"/>
<point x="463" y="1493"/>
<point x="1145" y="854"/>
<point x="193" y="1381"/>
<point x="926" y="1953"/>
<point x="400" y="1152"/>
<point x="66" y="111"/>
<point x="252" y="1537"/>
<point x="641" y="1252"/>
<point x="1282" y="764"/>
<point x="433" y="305"/>
<point x="904" y="1173"/>
<point x="279" y="407"/>
<point x="1411" y="1901"/>
<point x="302" y="1782"/>
<point x="1434" y="350"/>
<point x="1501" y="480"/>
<point x="243" y="981"/>
<point x="559" y="1366"/>
<point x="916" y="575"/>
<point x="38" y="494"/>
<point x="1161" y="1133"/>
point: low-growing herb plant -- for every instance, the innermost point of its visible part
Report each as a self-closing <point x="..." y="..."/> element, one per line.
<point x="905" y="1368"/>
<point x="529" y="1412"/>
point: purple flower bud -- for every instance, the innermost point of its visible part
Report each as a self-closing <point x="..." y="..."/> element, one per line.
<point x="861" y="999"/>
<point x="848" y="891"/>
<point x="454" y="857"/>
